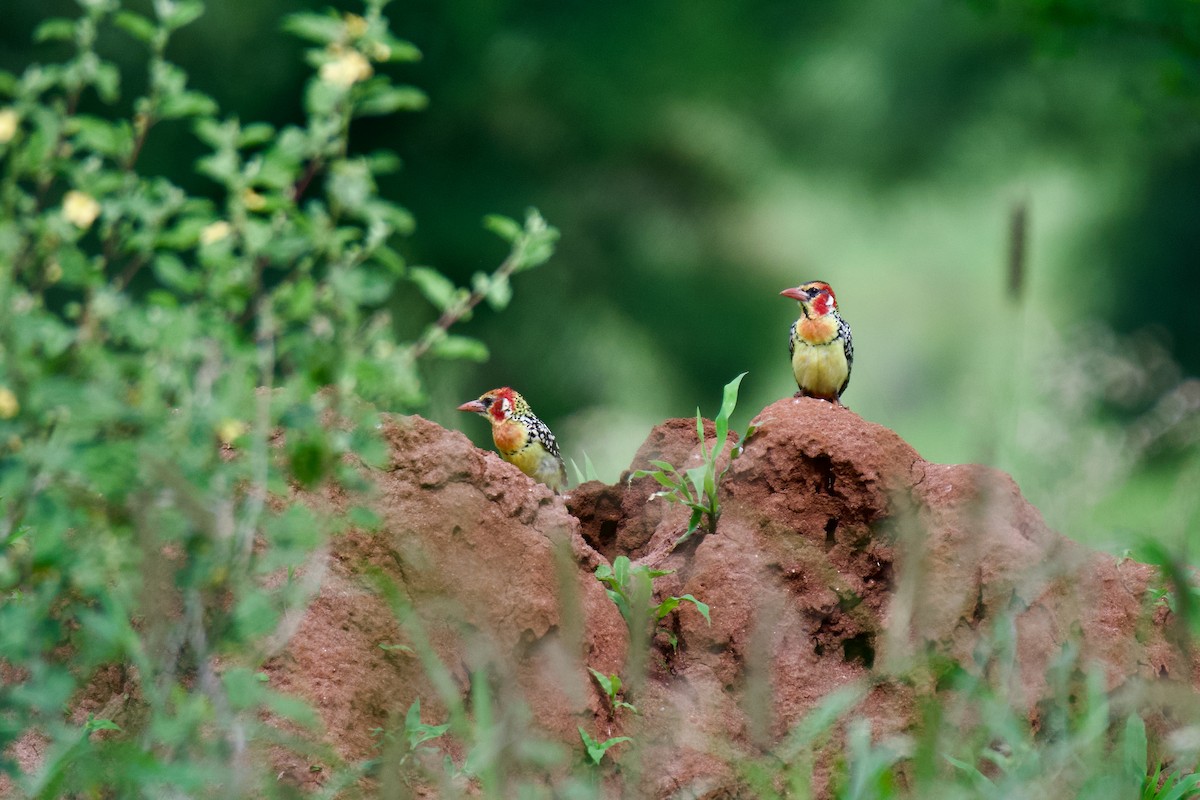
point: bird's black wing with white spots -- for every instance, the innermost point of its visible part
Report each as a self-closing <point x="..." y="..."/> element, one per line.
<point x="541" y="432"/>
<point x="848" y="347"/>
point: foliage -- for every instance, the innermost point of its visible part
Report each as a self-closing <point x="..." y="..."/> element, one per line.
<point x="170" y="362"/>
<point x="611" y="686"/>
<point x="588" y="473"/>
<point x="974" y="741"/>
<point x="596" y="750"/>
<point x="415" y="735"/>
<point x="631" y="588"/>
<point x="696" y="488"/>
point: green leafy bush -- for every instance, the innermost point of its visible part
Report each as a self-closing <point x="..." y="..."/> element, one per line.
<point x="170" y="364"/>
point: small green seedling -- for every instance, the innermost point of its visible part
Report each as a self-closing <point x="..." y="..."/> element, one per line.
<point x="696" y="488"/>
<point x="631" y="589"/>
<point x="588" y="473"/>
<point x="416" y="733"/>
<point x="611" y="686"/>
<point x="596" y="750"/>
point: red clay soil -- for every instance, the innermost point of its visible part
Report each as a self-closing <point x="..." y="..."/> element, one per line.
<point x="840" y="555"/>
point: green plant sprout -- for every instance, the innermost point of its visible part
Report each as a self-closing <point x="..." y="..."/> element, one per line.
<point x="696" y="488"/>
<point x="588" y="473"/>
<point x="611" y="685"/>
<point x="415" y="735"/>
<point x="631" y="589"/>
<point x="595" y="749"/>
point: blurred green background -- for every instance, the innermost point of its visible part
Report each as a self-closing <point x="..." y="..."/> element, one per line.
<point x="701" y="156"/>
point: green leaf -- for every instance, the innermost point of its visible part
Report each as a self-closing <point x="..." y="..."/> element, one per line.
<point x="319" y="28"/>
<point x="401" y="50"/>
<point x="728" y="403"/>
<point x="242" y="687"/>
<point x="175" y="14"/>
<point x="390" y="99"/>
<point x="620" y="570"/>
<point x="384" y="162"/>
<point x="291" y="708"/>
<point x="497" y="291"/>
<point x="701" y="607"/>
<point x="309" y="459"/>
<point x="186" y="104"/>
<point x="350" y="183"/>
<point x="55" y="30"/>
<point x="417" y="732"/>
<point x="255" y="134"/>
<point x="606" y="683"/>
<point x="590" y="468"/>
<point x="364" y="518"/>
<point x="107" y="80"/>
<point x="112" y="139"/>
<point x="596" y="750"/>
<point x="1133" y="749"/>
<point x="666" y="607"/>
<point x="94" y="724"/>
<point x="662" y="479"/>
<point x="460" y="347"/>
<point x="507" y="229"/>
<point x="173" y="274"/>
<point x="436" y="287"/>
<point x="136" y="26"/>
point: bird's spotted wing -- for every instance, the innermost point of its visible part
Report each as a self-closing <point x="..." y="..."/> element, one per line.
<point x="848" y="347"/>
<point x="792" y="340"/>
<point x="539" y="431"/>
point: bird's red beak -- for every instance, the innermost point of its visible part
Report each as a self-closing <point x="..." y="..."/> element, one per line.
<point x="795" y="293"/>
<point x="475" y="405"/>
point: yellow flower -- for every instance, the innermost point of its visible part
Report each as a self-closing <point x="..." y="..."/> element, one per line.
<point x="8" y="403"/>
<point x="253" y="201"/>
<point x="230" y="429"/>
<point x="8" y="124"/>
<point x="380" y="51"/>
<point x="355" y="25"/>
<point x="80" y="209"/>
<point x="215" y="232"/>
<point x="346" y="69"/>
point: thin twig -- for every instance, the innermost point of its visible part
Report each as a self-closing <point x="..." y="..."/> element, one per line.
<point x="457" y="311"/>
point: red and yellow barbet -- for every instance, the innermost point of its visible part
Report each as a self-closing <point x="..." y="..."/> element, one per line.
<point x="521" y="438"/>
<point x="820" y="344"/>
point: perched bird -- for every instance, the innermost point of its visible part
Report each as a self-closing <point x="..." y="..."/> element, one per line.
<point x="521" y="438"/>
<point x="820" y="345"/>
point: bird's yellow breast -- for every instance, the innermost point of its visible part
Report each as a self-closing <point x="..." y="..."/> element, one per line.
<point x="528" y="460"/>
<point x="820" y="369"/>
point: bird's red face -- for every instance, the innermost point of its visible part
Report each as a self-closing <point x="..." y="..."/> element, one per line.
<point x="497" y="405"/>
<point x="816" y="297"/>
